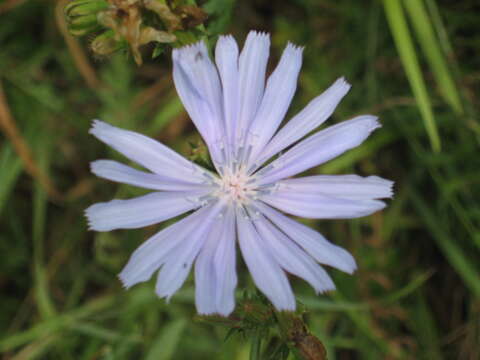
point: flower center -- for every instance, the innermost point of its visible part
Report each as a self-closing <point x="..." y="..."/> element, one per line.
<point x="235" y="187"/>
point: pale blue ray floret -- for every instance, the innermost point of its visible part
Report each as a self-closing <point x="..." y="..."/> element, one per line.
<point x="238" y="113"/>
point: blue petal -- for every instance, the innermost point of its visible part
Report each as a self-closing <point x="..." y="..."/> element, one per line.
<point x="141" y="211"/>
<point x="147" y="152"/>
<point x="312" y="116"/>
<point x="252" y="65"/>
<point x="352" y="187"/>
<point x="215" y="273"/>
<point x="154" y="252"/>
<point x="226" y="57"/>
<point x="319" y="148"/>
<point x="175" y="270"/>
<point x="319" y="206"/>
<point x="310" y="240"/>
<point x="115" y="171"/>
<point x="198" y="85"/>
<point x="266" y="272"/>
<point x="281" y="86"/>
<point x="291" y="257"/>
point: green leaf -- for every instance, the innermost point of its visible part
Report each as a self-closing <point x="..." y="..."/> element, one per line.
<point x="221" y="12"/>
<point x="159" y="50"/>
<point x="466" y="269"/>
<point x="430" y="46"/>
<point x="56" y="324"/>
<point x="10" y="168"/>
<point x="404" y="44"/>
<point x="39" y="226"/>
<point x="425" y="328"/>
<point x="164" y="346"/>
<point x="166" y="114"/>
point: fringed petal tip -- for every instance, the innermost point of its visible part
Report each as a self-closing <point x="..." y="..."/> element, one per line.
<point x="98" y="126"/>
<point x="370" y="122"/>
<point x="98" y="167"/>
<point x="325" y="288"/>
<point x="390" y="185"/>
<point x="344" y="262"/>
<point x="342" y="85"/>
<point x="349" y="263"/>
<point x="126" y="284"/>
<point x="367" y="122"/>
<point x="226" y="47"/>
<point x="94" y="166"/>
<point x="133" y="273"/>
<point x="353" y="264"/>
<point x="94" y="219"/>
<point x="258" y="36"/>
<point x="226" y="40"/>
<point x="376" y="205"/>
<point x="291" y="47"/>
<point x="167" y="296"/>
<point x="88" y="216"/>
<point x="384" y="186"/>
<point x="190" y="52"/>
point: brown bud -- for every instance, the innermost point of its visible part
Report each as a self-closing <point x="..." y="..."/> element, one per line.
<point x="191" y="15"/>
<point x="310" y="348"/>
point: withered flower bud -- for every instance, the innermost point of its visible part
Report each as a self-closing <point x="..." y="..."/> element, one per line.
<point x="105" y="44"/>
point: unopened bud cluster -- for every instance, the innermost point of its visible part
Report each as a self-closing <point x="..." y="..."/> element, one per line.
<point x="285" y="331"/>
<point x="129" y="24"/>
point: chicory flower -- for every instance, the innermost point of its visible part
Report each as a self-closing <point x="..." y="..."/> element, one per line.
<point x="244" y="201"/>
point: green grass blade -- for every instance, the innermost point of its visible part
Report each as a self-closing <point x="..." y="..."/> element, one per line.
<point x="10" y="168"/>
<point x="56" y="324"/>
<point x="440" y="29"/>
<point x="165" y="115"/>
<point x="454" y="254"/>
<point x="36" y="349"/>
<point x="403" y="41"/>
<point x="430" y="46"/>
<point x="425" y="328"/>
<point x="42" y="292"/>
<point x="164" y="346"/>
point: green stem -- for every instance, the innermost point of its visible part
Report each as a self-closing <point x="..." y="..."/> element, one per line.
<point x="256" y="346"/>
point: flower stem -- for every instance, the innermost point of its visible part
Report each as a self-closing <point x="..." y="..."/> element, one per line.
<point x="256" y="346"/>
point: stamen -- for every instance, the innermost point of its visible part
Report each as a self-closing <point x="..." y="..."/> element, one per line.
<point x="253" y="214"/>
<point x="240" y="154"/>
<point x="247" y="156"/>
<point x="195" y="201"/>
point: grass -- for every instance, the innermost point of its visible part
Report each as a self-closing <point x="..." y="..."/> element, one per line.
<point x="416" y="293"/>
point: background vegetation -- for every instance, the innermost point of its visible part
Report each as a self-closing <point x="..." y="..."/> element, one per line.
<point x="416" y="294"/>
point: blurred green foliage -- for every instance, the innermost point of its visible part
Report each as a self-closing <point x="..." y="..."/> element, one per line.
<point x="416" y="294"/>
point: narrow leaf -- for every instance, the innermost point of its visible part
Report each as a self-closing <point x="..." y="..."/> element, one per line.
<point x="430" y="46"/>
<point x="404" y="44"/>
<point x="163" y="348"/>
